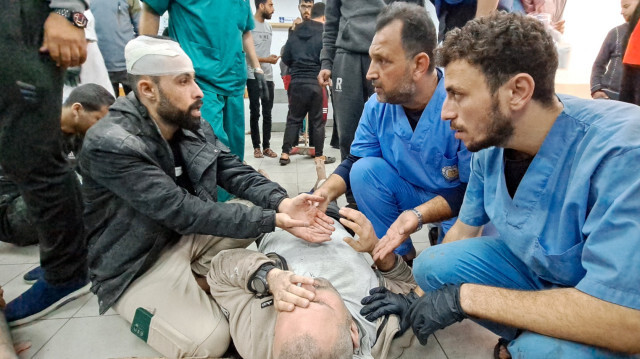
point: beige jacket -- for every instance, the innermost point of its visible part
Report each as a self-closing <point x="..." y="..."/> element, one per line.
<point x="252" y="319"/>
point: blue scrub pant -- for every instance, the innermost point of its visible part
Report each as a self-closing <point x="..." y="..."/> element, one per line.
<point x="382" y="195"/>
<point x="226" y="116"/>
<point x="488" y="260"/>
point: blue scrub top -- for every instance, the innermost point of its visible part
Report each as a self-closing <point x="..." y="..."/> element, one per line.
<point x="429" y="157"/>
<point x="210" y="32"/>
<point x="575" y="218"/>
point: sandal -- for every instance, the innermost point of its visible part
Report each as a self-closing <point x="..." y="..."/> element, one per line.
<point x="284" y="160"/>
<point x="257" y="153"/>
<point x="502" y="343"/>
<point x="269" y="153"/>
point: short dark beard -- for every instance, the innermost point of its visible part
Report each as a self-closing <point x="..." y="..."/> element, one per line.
<point x="174" y="116"/>
<point x="498" y="133"/>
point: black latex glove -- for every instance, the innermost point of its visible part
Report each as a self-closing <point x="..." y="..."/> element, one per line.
<point x="262" y="85"/>
<point x="436" y="310"/>
<point x="72" y="76"/>
<point x="383" y="302"/>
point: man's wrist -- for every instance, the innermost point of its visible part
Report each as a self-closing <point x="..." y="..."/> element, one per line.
<point x="419" y="215"/>
<point x="258" y="70"/>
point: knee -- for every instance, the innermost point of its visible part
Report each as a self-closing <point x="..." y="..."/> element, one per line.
<point x="434" y="267"/>
<point x="368" y="173"/>
<point x="216" y="344"/>
<point x="533" y="345"/>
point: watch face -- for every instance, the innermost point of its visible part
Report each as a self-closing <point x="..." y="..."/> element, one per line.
<point x="79" y="19"/>
<point x="258" y="286"/>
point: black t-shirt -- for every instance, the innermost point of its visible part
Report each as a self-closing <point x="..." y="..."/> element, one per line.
<point x="515" y="166"/>
<point x="413" y="116"/>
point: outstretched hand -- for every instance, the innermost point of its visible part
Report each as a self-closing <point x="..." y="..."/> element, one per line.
<point x="290" y="290"/>
<point x="362" y="227"/>
<point x="301" y="217"/>
<point x="399" y="231"/>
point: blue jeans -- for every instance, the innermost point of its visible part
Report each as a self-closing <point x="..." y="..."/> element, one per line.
<point x="382" y="195"/>
<point x="488" y="261"/>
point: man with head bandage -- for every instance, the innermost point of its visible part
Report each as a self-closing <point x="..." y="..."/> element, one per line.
<point x="151" y="168"/>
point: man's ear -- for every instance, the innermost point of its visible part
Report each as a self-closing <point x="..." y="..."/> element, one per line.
<point x="76" y="107"/>
<point x="520" y="91"/>
<point x="355" y="336"/>
<point x="421" y="62"/>
<point x="147" y="89"/>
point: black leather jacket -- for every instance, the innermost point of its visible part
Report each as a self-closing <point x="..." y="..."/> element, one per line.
<point x="133" y="207"/>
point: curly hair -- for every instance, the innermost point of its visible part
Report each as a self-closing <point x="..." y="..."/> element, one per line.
<point x="503" y="45"/>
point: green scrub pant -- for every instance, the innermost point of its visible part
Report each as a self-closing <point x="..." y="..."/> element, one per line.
<point x="226" y="116"/>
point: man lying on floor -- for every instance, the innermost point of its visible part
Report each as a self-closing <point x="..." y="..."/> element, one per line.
<point x="259" y="297"/>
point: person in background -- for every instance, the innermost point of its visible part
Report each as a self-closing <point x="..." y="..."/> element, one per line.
<point x="262" y="34"/>
<point x="83" y="108"/>
<point x="606" y="74"/>
<point x="630" y="87"/>
<point x="116" y="24"/>
<point x="42" y="39"/>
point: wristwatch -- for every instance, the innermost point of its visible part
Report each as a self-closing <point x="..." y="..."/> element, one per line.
<point x="258" y="281"/>
<point x="76" y="18"/>
<point x="419" y="215"/>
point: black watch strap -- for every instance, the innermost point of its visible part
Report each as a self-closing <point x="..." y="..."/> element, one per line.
<point x="258" y="282"/>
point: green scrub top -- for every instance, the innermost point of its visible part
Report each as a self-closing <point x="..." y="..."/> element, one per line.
<point x="210" y="32"/>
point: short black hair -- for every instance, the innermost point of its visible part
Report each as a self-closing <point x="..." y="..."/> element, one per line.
<point x="92" y="97"/>
<point x="503" y="45"/>
<point x="418" y="32"/>
<point x="301" y="1"/>
<point x="317" y="10"/>
<point x="258" y="2"/>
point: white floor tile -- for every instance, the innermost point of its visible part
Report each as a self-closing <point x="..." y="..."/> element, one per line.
<point x="37" y="333"/>
<point x="9" y="272"/>
<point x="10" y="254"/>
<point x="95" y="338"/>
<point x="467" y="340"/>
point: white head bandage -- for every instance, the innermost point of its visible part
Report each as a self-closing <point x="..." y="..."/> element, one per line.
<point x="156" y="57"/>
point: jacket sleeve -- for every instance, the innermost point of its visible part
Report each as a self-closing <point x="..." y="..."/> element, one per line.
<point x="251" y="319"/>
<point x="120" y="164"/>
<point x="330" y="35"/>
<point x="286" y="51"/>
<point x="75" y="5"/>
<point x="245" y="182"/>
<point x="602" y="61"/>
<point x="400" y="278"/>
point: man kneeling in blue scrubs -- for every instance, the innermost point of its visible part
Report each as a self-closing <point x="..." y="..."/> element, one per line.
<point x="403" y="157"/>
<point x="558" y="177"/>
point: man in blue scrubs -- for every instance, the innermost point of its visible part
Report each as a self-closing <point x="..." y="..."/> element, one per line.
<point x="405" y="167"/>
<point x="558" y="177"/>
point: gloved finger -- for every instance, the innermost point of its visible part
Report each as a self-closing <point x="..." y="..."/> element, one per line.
<point x="378" y="313"/>
<point x="372" y="298"/>
<point x="378" y="290"/>
<point x="375" y="305"/>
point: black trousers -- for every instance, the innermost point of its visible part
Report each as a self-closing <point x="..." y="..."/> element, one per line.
<point x="351" y="90"/>
<point x="304" y="98"/>
<point x="254" y="110"/>
<point x="31" y="141"/>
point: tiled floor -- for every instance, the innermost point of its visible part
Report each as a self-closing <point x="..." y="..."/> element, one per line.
<point x="77" y="331"/>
